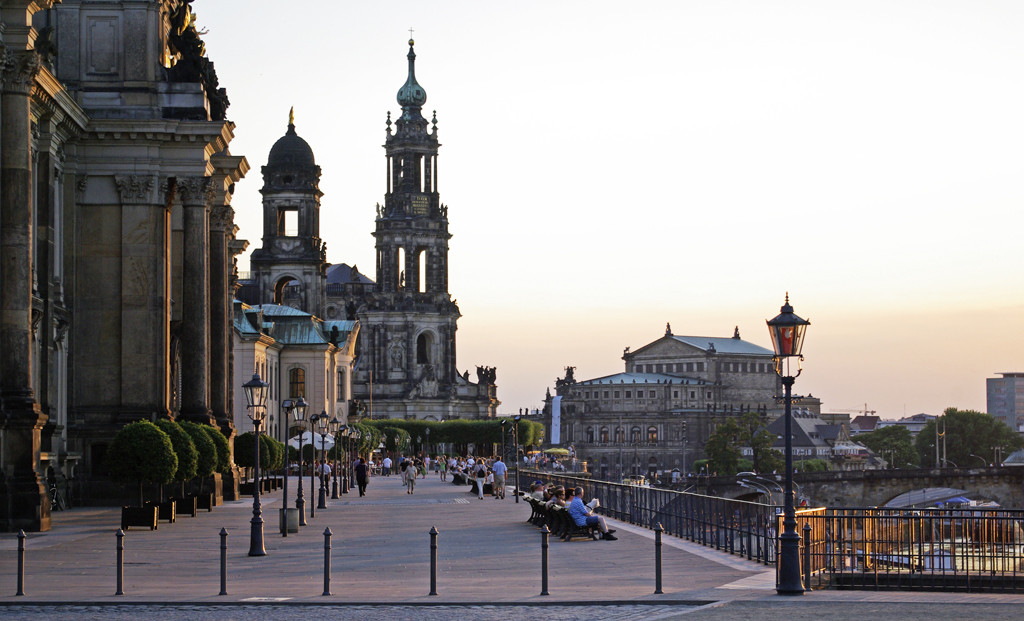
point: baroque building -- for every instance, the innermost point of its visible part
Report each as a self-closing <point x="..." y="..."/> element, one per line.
<point x="406" y="352"/>
<point x="658" y="413"/>
<point x="117" y="239"/>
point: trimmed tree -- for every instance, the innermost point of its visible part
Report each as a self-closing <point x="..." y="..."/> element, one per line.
<point x="140" y="453"/>
<point x="223" y="448"/>
<point x="184" y="449"/>
<point x="207" y="463"/>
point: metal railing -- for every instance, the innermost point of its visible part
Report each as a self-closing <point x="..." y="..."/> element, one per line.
<point x="735" y="526"/>
<point x="979" y="550"/>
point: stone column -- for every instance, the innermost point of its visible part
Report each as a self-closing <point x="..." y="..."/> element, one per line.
<point x="26" y="502"/>
<point x="145" y="297"/>
<point x="196" y="194"/>
<point x="221" y="225"/>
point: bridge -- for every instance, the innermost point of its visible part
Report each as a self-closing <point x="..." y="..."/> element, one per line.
<point x="872" y="488"/>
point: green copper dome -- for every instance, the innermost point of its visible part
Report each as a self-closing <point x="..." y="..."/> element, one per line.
<point x="411" y="95"/>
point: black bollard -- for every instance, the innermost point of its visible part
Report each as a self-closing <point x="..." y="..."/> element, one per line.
<point x="327" y="561"/>
<point x="21" y="563"/>
<point x="224" y="561"/>
<point x="544" y="532"/>
<point x="657" y="558"/>
<point x="433" y="560"/>
<point x="807" y="556"/>
<point x="120" y="562"/>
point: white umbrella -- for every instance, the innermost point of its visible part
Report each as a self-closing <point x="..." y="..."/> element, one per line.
<point x="312" y="438"/>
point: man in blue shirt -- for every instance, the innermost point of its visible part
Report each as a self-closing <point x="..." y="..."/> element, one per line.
<point x="583" y="516"/>
<point x="499" y="469"/>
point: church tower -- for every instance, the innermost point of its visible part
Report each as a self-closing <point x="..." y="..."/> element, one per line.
<point x="290" y="267"/>
<point x="407" y="348"/>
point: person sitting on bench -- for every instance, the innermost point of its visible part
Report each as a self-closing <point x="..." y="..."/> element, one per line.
<point x="583" y="516"/>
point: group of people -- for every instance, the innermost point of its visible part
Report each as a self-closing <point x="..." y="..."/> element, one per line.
<point x="582" y="514"/>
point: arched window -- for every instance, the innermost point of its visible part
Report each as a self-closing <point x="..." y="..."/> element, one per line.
<point x="296" y="383"/>
<point x="604" y="435"/>
<point x="634" y="435"/>
<point x="620" y="435"/>
<point x="424" y="343"/>
<point x="590" y="435"/>
<point x="652" y="435"/>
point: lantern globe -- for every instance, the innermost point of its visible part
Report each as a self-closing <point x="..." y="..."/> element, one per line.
<point x="787" y="331"/>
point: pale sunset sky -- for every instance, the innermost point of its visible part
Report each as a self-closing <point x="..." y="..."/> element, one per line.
<point x="611" y="166"/>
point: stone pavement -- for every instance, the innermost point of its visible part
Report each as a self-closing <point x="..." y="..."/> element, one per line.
<point x="488" y="566"/>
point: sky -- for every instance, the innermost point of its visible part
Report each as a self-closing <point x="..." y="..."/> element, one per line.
<point x="610" y="167"/>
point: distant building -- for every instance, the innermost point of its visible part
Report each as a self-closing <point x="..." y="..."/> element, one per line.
<point x="914" y="424"/>
<point x="864" y="424"/>
<point x="813" y="438"/>
<point x="657" y="415"/>
<point x="1006" y="399"/>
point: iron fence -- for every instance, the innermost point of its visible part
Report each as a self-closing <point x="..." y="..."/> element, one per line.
<point x="738" y="527"/>
<point x="966" y="549"/>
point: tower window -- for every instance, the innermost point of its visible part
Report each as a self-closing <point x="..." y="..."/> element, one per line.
<point x="287" y="222"/>
<point x="423" y="343"/>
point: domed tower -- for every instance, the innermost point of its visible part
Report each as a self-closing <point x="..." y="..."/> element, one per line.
<point x="407" y="346"/>
<point x="290" y="267"/>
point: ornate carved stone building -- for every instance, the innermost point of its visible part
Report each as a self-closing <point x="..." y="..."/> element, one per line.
<point x="116" y="237"/>
<point x="658" y="414"/>
<point x="406" y="365"/>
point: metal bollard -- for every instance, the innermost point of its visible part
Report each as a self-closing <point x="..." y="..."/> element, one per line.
<point x="544" y="532"/>
<point x="807" y="557"/>
<point x="657" y="558"/>
<point x="120" y="562"/>
<point x="21" y="562"/>
<point x="327" y="561"/>
<point x="224" y="561"/>
<point x="433" y="560"/>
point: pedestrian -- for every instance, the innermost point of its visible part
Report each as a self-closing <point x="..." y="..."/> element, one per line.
<point x="442" y="465"/>
<point x="410" y="478"/>
<point x="481" y="476"/>
<point x="361" y="476"/>
<point x="386" y="466"/>
<point x="500" y="470"/>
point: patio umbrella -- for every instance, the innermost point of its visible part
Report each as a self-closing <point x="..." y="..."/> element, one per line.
<point x="311" y="438"/>
<point x="557" y="451"/>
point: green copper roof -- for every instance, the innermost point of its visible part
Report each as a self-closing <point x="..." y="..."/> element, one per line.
<point x="411" y="95"/>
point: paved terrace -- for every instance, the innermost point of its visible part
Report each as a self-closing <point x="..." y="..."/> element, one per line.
<point x="487" y="556"/>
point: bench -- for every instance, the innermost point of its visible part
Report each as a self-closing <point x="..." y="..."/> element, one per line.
<point x="558" y="520"/>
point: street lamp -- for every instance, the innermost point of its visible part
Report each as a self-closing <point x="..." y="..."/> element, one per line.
<point x="787" y="332"/>
<point x="321" y="423"/>
<point x="288" y="406"/>
<point x="343" y="433"/>
<point x="334" y="425"/>
<point x="299" y="413"/>
<point x="515" y="448"/>
<point x="256" y="398"/>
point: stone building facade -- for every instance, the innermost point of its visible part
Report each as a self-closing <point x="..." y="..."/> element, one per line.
<point x="116" y="237"/>
<point x="406" y="352"/>
<point x="657" y="415"/>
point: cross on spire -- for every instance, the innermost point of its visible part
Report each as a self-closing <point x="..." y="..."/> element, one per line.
<point x="410" y="32"/>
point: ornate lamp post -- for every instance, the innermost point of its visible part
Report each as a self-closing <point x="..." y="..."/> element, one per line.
<point x="334" y="425"/>
<point x="344" y="457"/>
<point x="503" y="422"/>
<point x="321" y="423"/>
<point x="299" y="414"/>
<point x="787" y="332"/>
<point x="288" y="406"/>
<point x="515" y="449"/>
<point x="256" y="397"/>
<point x="312" y="470"/>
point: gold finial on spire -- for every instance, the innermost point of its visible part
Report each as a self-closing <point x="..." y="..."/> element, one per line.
<point x="411" y="42"/>
<point x="291" y="116"/>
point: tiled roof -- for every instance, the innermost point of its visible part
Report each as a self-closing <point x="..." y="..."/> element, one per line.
<point x="724" y="345"/>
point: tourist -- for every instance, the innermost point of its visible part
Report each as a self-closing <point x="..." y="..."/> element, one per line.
<point x="537" y="490"/>
<point x="557" y="498"/>
<point x="386" y="466"/>
<point x="584" y="516"/>
<point x="442" y="465"/>
<point x="410" y="478"/>
<point x="500" y="470"/>
<point x="361" y="476"/>
<point x="481" y="476"/>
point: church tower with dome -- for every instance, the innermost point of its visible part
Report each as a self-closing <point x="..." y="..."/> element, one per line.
<point x="290" y="268"/>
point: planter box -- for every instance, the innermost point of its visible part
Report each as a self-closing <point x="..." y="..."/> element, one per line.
<point x="206" y="501"/>
<point x="139" y="516"/>
<point x="246" y="489"/>
<point x="166" y="511"/>
<point x="187" y="505"/>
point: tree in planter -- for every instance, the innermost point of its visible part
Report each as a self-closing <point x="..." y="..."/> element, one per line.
<point x="245" y="446"/>
<point x="140" y="453"/>
<point x="184" y="449"/>
<point x="223" y="448"/>
<point x="207" y="463"/>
